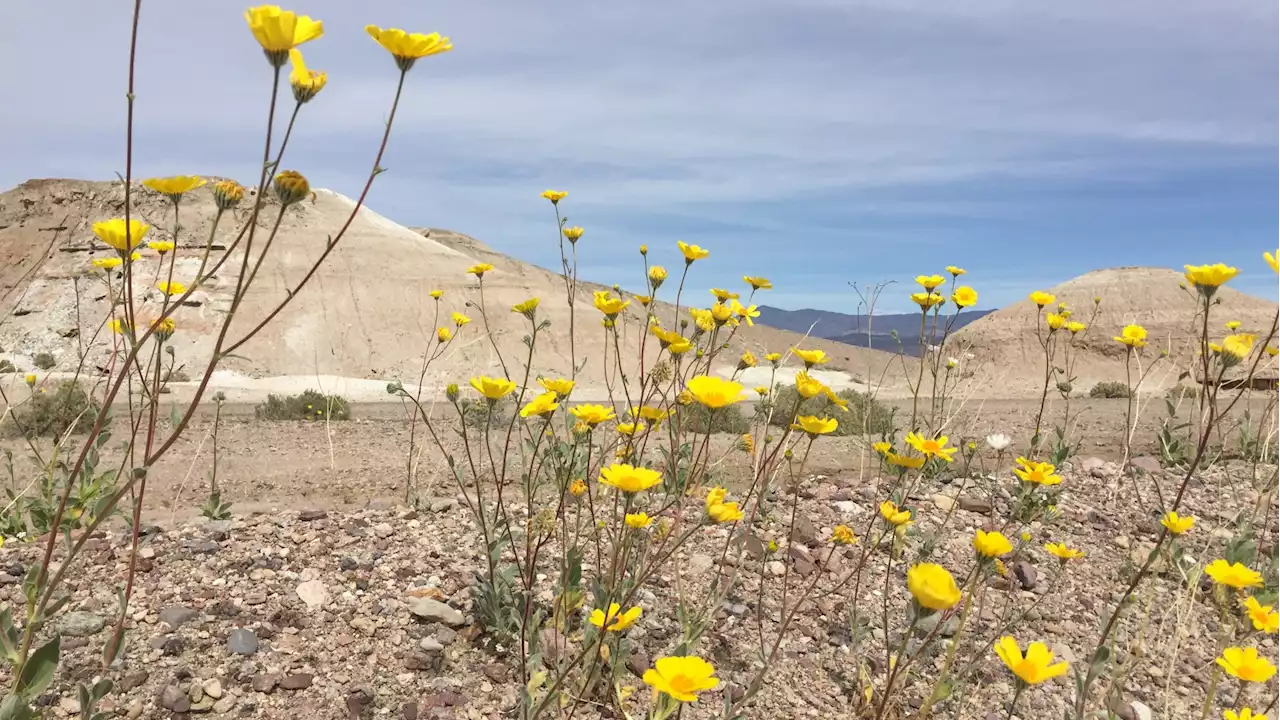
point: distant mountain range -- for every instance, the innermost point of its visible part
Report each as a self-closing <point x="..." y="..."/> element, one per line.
<point x="853" y="329"/>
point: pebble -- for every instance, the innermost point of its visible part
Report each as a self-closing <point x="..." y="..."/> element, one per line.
<point x="297" y="681"/>
<point x="313" y="593"/>
<point x="435" y="611"/>
<point x="242" y="641"/>
<point x="175" y="616"/>
<point x="81" y="624"/>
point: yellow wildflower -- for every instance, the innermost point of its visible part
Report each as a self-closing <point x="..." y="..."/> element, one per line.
<point x="657" y="274"/>
<point x="1238" y="346"/>
<point x="714" y="392"/>
<point x="171" y="288"/>
<point x="1273" y="260"/>
<point x="1177" y="524"/>
<point x="492" y="388"/>
<point x="609" y="305"/>
<point x="107" y="263"/>
<point x="526" y="308"/>
<point x="904" y="461"/>
<point x="616" y="620"/>
<point x="639" y="521"/>
<point x="559" y="386"/>
<point x="1041" y="298"/>
<point x="843" y="535"/>
<point x="811" y="357"/>
<point x="1034" y="668"/>
<point x="757" y="283"/>
<point x="882" y="447"/>
<point x="112" y="232"/>
<point x="407" y="48"/>
<point x="747" y="360"/>
<point x="573" y="234"/>
<point x="1244" y="714"/>
<point x="955" y="271"/>
<point x="306" y="83"/>
<point x="1246" y="664"/>
<point x="929" y="282"/>
<point x="459" y="319"/>
<point x="930" y="447"/>
<point x="1063" y="552"/>
<point x="592" y="415"/>
<point x="815" y="426"/>
<point x="1208" y="278"/>
<point x="174" y="187"/>
<point x="555" y="196"/>
<point x="1263" y="617"/>
<point x="577" y="488"/>
<point x="723" y="295"/>
<point x="1055" y="321"/>
<point x="927" y="300"/>
<point x="161" y="246"/>
<point x="542" y="405"/>
<point x="1233" y="574"/>
<point x="1076" y="327"/>
<point x="479" y="269"/>
<point x="746" y="313"/>
<point x="681" y="677"/>
<point x="1132" y="335"/>
<point x="932" y="586"/>
<point x="964" y="296"/>
<point x="227" y="194"/>
<point x="691" y="252"/>
<point x="279" y="31"/>
<point x="893" y="514"/>
<point x="991" y="544"/>
<point x="1038" y="473"/>
<point x="628" y="478"/>
<point x="725" y="512"/>
<point x="774" y="358"/>
<point x="631" y="428"/>
<point x="444" y="334"/>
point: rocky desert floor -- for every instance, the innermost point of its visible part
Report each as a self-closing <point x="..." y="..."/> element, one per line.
<point x="326" y="596"/>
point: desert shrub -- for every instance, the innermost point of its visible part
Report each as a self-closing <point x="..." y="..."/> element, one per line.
<point x="44" y="361"/>
<point x="1109" y="389"/>
<point x="866" y="415"/>
<point x="1181" y="392"/>
<point x="725" y="420"/>
<point x="308" y="405"/>
<point x="475" y="413"/>
<point x="7" y="366"/>
<point x="53" y="412"/>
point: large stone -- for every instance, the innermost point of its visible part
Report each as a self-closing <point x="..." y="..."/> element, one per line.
<point x="435" y="611"/>
<point x="242" y="641"/>
<point x="310" y="515"/>
<point x="297" y="681"/>
<point x="1026" y="574"/>
<point x="174" y="700"/>
<point x="970" y="503"/>
<point x="81" y="624"/>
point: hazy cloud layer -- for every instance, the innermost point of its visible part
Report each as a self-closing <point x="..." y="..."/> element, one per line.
<point x="814" y="141"/>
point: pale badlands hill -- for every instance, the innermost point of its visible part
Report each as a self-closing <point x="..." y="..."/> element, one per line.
<point x="1007" y="352"/>
<point x="366" y="317"/>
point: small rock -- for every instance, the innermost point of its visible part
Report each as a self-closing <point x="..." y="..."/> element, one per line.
<point x="315" y="514"/>
<point x="206" y="547"/>
<point x="365" y="625"/>
<point x="213" y="688"/>
<point x="804" y="531"/>
<point x="132" y="680"/>
<point x="383" y="530"/>
<point x="313" y="593"/>
<point x="409" y="711"/>
<point x="775" y="568"/>
<point x="265" y="683"/>
<point x="1026" y="573"/>
<point x="69" y="705"/>
<point x="1146" y="464"/>
<point x="242" y="641"/>
<point x="173" y="699"/>
<point x="297" y="681"/>
<point x="435" y="611"/>
<point x="945" y="503"/>
<point x="175" y="616"/>
<point x="973" y="504"/>
<point x="225" y="705"/>
<point x="81" y="624"/>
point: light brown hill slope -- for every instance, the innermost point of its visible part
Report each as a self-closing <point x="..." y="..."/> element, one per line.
<point x="366" y="315"/>
<point x="1008" y="353"/>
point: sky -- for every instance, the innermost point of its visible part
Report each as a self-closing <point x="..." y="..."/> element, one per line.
<point x="815" y="142"/>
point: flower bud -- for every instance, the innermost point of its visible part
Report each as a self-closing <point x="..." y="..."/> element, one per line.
<point x="227" y="194"/>
<point x="451" y="392"/>
<point x="291" y="186"/>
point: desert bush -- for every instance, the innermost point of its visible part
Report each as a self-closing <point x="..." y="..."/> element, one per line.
<point x="44" y="361"/>
<point x="308" y="405"/>
<point x="7" y="366"/>
<point x="67" y="407"/>
<point x="137" y="328"/>
<point x="1109" y="389"/>
<point x="478" y="414"/>
<point x="865" y="415"/>
<point x="700" y="419"/>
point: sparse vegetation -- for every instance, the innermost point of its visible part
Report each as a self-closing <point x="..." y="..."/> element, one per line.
<point x="1109" y="389"/>
<point x="44" y="361"/>
<point x="52" y="412"/>
<point x="309" y="405"/>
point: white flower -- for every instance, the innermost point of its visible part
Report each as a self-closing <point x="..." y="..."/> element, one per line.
<point x="998" y="441"/>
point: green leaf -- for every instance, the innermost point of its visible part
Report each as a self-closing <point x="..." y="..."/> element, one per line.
<point x="175" y="416"/>
<point x="15" y="707"/>
<point x="38" y="672"/>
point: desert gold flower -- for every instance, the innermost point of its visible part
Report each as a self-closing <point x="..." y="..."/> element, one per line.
<point x="559" y="386"/>
<point x="1033" y="668"/>
<point x="882" y="447"/>
<point x="725" y="512"/>
<point x="164" y="328"/>
<point x="609" y="305"/>
<point x="279" y="31"/>
<point x="644" y="300"/>
<point x="492" y="388"/>
<point x="227" y="194"/>
<point x="578" y="487"/>
<point x="680" y="346"/>
<point x="628" y="478"/>
<point x="904" y="461"/>
<point x="526" y="308"/>
<point x="1263" y="617"/>
<point x="650" y="413"/>
<point x="631" y="428"/>
<point x="831" y="396"/>
<point x="748" y="443"/>
<point x="927" y="300"/>
<point x="811" y="357"/>
<point x="573" y="234"/>
<point x="721" y="313"/>
<point x="542" y="405"/>
<point x="757" y="283"/>
<point x="691" y="252"/>
<point x="1246" y="664"/>
<point x="161" y="246"/>
<point x="479" y="269"/>
<point x="592" y="415"/>
<point x="112" y="232"/>
<point x="955" y="271"/>
<point x="930" y="447"/>
<point x="773" y="358"/>
<point x="929" y="282"/>
<point x="893" y="514"/>
<point x="1177" y="524"/>
<point x="714" y="392"/>
<point x="723" y="295"/>
<point x="171" y="288"/>
<point x="119" y="326"/>
<point x="107" y="263"/>
<point x="1041" y="298"/>
<point x="843" y="535"/>
<point x="174" y="187"/>
<point x="290" y="187"/>
<point x="616" y="620"/>
<point x="815" y="426"/>
<point x="639" y="520"/>
<point x="761" y="390"/>
<point x="1233" y="574"/>
<point x="1238" y="346"/>
<point x="932" y="586"/>
<point x="964" y="296"/>
<point x="715" y="496"/>
<point x="555" y="196"/>
<point x="1055" y="321"/>
<point x="444" y="334"/>
<point x="657" y="274"/>
<point x="747" y="360"/>
<point x="1075" y="327"/>
<point x="1273" y="260"/>
<point x="746" y="313"/>
<point x="1272" y="351"/>
<point x="31" y="379"/>
<point x="1233" y="325"/>
<point x="1063" y="552"/>
<point x="1208" y="278"/>
<point x="408" y="48"/>
<point x="459" y="319"/>
<point x="681" y="677"/>
<point x="1132" y="335"/>
<point x="1038" y="473"/>
<point x="991" y="544"/>
<point x="306" y="83"/>
<point x="1244" y="714"/>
